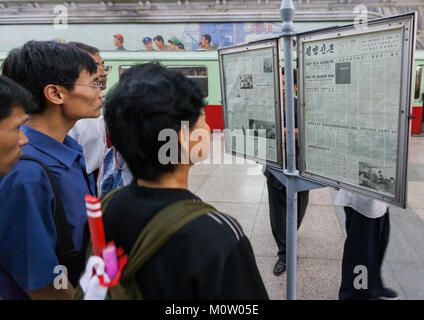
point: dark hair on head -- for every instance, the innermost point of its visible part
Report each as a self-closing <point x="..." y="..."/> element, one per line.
<point x="294" y="75"/>
<point x="159" y="38"/>
<point x="85" y="47"/>
<point x="148" y="99"/>
<point x="40" y="63"/>
<point x="13" y="95"/>
<point x="207" y="37"/>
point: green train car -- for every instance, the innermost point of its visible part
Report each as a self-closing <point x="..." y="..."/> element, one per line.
<point x="203" y="67"/>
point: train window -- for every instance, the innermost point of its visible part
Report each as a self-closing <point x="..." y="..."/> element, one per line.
<point x="418" y="82"/>
<point x="197" y="73"/>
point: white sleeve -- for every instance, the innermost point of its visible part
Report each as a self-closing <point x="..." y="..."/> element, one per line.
<point x="91" y="135"/>
<point x="366" y="206"/>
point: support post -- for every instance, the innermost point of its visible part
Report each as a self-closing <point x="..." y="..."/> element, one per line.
<point x="287" y="15"/>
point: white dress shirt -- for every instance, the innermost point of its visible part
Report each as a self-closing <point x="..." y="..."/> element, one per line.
<point x="368" y="207"/>
<point x="91" y="135"/>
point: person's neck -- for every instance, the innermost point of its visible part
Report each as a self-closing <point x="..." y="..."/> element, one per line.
<point x="51" y="123"/>
<point x="174" y="180"/>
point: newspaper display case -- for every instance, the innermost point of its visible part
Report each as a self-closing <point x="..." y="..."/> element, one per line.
<point x="355" y="97"/>
<point x="250" y="86"/>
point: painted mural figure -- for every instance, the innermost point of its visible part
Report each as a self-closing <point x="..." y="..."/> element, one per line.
<point x="176" y="44"/>
<point x="118" y="41"/>
<point x="160" y="44"/>
<point x="206" y="42"/>
<point x="148" y="43"/>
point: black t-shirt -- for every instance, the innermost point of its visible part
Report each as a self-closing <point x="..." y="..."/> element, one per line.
<point x="209" y="258"/>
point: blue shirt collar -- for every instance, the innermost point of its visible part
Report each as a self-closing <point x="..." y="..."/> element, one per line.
<point x="66" y="152"/>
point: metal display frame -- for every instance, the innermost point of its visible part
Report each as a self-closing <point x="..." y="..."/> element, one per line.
<point x="407" y="24"/>
<point x="248" y="47"/>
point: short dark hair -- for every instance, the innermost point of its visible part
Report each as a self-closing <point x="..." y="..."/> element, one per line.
<point x="39" y="63"/>
<point x="148" y="99"/>
<point x="85" y="47"/>
<point x="159" y="38"/>
<point x="207" y="37"/>
<point x="13" y="95"/>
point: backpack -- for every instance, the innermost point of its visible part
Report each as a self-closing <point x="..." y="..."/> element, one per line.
<point x="154" y="235"/>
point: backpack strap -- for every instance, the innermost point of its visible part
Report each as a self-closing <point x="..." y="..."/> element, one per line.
<point x="160" y="228"/>
<point x="107" y="197"/>
<point x="65" y="250"/>
<point x="64" y="237"/>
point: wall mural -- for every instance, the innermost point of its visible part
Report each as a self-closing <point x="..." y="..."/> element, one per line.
<point x="139" y="37"/>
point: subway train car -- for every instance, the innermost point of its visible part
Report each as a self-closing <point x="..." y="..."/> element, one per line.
<point x="203" y="67"/>
<point x="125" y="30"/>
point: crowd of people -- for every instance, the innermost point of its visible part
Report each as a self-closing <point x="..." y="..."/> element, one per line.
<point x="59" y="135"/>
<point x="58" y="85"/>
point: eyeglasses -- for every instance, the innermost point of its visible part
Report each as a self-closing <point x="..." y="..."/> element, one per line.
<point x="106" y="69"/>
<point x="97" y="85"/>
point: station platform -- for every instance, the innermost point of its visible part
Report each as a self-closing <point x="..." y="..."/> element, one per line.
<point x="240" y="190"/>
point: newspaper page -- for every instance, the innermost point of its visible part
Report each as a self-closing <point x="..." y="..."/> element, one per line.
<point x="351" y="94"/>
<point x="250" y="103"/>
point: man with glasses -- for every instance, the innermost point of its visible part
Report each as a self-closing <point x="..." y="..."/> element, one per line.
<point x="65" y="87"/>
<point x="90" y="133"/>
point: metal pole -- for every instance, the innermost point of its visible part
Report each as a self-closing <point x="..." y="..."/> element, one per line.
<point x="287" y="15"/>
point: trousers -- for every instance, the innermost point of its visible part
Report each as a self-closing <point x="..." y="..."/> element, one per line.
<point x="364" y="249"/>
<point x="278" y="211"/>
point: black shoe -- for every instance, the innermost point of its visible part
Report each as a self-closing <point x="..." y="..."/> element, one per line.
<point x="279" y="267"/>
<point x="386" y="294"/>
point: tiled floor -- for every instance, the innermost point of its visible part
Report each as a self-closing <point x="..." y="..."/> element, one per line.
<point x="240" y="190"/>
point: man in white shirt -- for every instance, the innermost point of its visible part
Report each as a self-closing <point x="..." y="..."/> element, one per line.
<point x="90" y="133"/>
<point x="367" y="229"/>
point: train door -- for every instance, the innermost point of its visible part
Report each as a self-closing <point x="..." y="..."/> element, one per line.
<point x="417" y="123"/>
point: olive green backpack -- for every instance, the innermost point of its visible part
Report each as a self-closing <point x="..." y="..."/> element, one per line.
<point x="156" y="233"/>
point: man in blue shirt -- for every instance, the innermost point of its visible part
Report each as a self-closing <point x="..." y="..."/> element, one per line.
<point x="64" y="83"/>
<point x="15" y="103"/>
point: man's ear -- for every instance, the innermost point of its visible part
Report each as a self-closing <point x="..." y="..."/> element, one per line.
<point x="184" y="140"/>
<point x="53" y="94"/>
